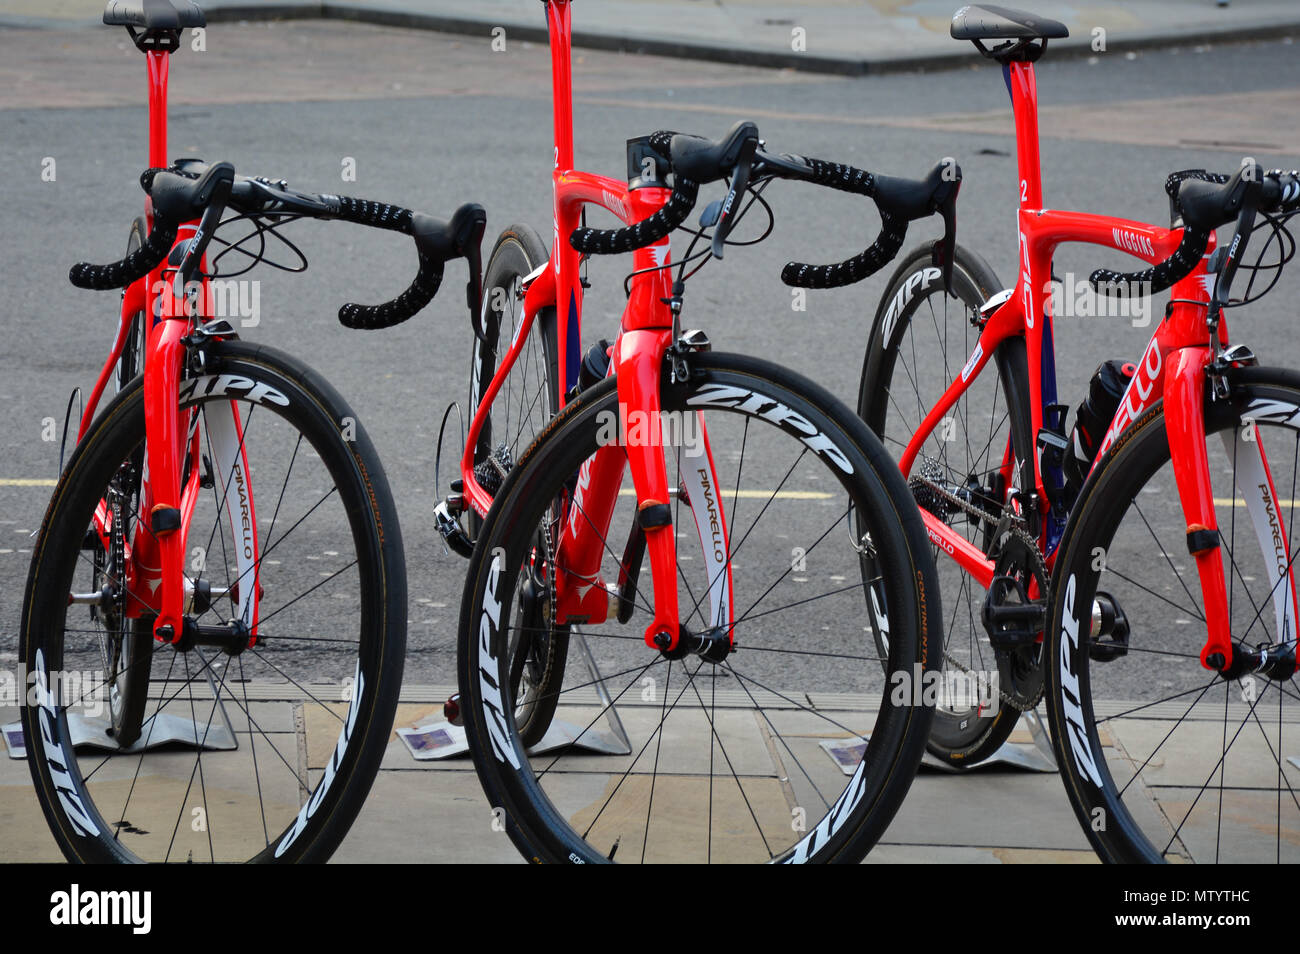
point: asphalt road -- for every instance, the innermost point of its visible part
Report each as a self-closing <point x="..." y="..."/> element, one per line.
<point x="430" y="121"/>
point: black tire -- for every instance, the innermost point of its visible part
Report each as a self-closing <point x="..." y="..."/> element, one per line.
<point x="309" y="707"/>
<point x="1164" y="760"/>
<point x="920" y="341"/>
<point x="127" y="666"/>
<point x="797" y="803"/>
<point x="528" y="399"/>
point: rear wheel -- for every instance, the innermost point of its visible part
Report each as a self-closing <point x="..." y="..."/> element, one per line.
<point x="128" y="643"/>
<point x="964" y="475"/>
<point x="525" y="404"/>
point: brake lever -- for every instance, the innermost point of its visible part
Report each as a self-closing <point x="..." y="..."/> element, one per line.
<point x="945" y="249"/>
<point x="1237" y="247"/>
<point x="739" y="183"/>
<point x="198" y="244"/>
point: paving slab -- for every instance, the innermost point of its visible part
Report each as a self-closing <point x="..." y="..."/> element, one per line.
<point x="423" y="818"/>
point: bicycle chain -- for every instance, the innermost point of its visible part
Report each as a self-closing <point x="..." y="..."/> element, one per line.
<point x="949" y="497"/>
<point x="1015" y="526"/>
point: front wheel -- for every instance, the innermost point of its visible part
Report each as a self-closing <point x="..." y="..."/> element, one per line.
<point x="263" y="752"/>
<point x="1163" y="759"/>
<point x="800" y="743"/>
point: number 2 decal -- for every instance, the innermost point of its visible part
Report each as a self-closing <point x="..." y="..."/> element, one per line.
<point x="1024" y="191"/>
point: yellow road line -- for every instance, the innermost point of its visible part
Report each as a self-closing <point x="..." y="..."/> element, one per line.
<point x="1237" y="502"/>
<point x="27" y="482"/>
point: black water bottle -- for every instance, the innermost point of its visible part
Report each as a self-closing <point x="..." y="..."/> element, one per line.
<point x="1092" y="419"/>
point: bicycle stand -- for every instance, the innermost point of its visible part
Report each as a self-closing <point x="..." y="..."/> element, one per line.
<point x="161" y="728"/>
<point x="442" y="740"/>
<point x="1033" y="756"/>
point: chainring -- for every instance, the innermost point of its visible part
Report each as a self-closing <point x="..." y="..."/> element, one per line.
<point x="1015" y="554"/>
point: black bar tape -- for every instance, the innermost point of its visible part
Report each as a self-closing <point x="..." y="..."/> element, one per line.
<point x="136" y="265"/>
<point x="893" y="230"/>
<point x="1178" y="266"/>
<point x="646" y="232"/>
<point x="1159" y="277"/>
<point x="662" y="143"/>
<point x="1177" y="178"/>
<point x="1175" y="268"/>
<point x="419" y="294"/>
<point x="1289" y="183"/>
<point x="381" y="215"/>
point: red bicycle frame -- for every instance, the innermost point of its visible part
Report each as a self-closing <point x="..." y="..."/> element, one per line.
<point x="155" y="553"/>
<point x="1172" y="368"/>
<point x="645" y="335"/>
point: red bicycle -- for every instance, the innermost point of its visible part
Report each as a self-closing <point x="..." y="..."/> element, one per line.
<point x="215" y="615"/>
<point x="1110" y="508"/>
<point x="760" y="722"/>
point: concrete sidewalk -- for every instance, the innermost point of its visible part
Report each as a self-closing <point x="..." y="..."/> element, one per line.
<point x="829" y="36"/>
<point x="435" y="811"/>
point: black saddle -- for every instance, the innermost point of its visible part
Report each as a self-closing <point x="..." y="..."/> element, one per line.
<point x="154" y="15"/>
<point x="1024" y="35"/>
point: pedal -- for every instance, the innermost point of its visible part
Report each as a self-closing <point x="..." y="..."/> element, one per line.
<point x="446" y="517"/>
<point x="1110" y="629"/>
<point x="1011" y="625"/>
<point x="451" y="710"/>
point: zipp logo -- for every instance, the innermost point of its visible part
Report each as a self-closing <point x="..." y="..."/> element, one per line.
<point x="919" y="280"/>
<point x="757" y="405"/>
<point x="47" y="716"/>
<point x="221" y="385"/>
<point x="882" y="618"/>
<point x="834" y="820"/>
<point x="1076" y="731"/>
<point x="1132" y="242"/>
<point x="489" y="670"/>
<point x="1265" y="409"/>
<point x="331" y="770"/>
